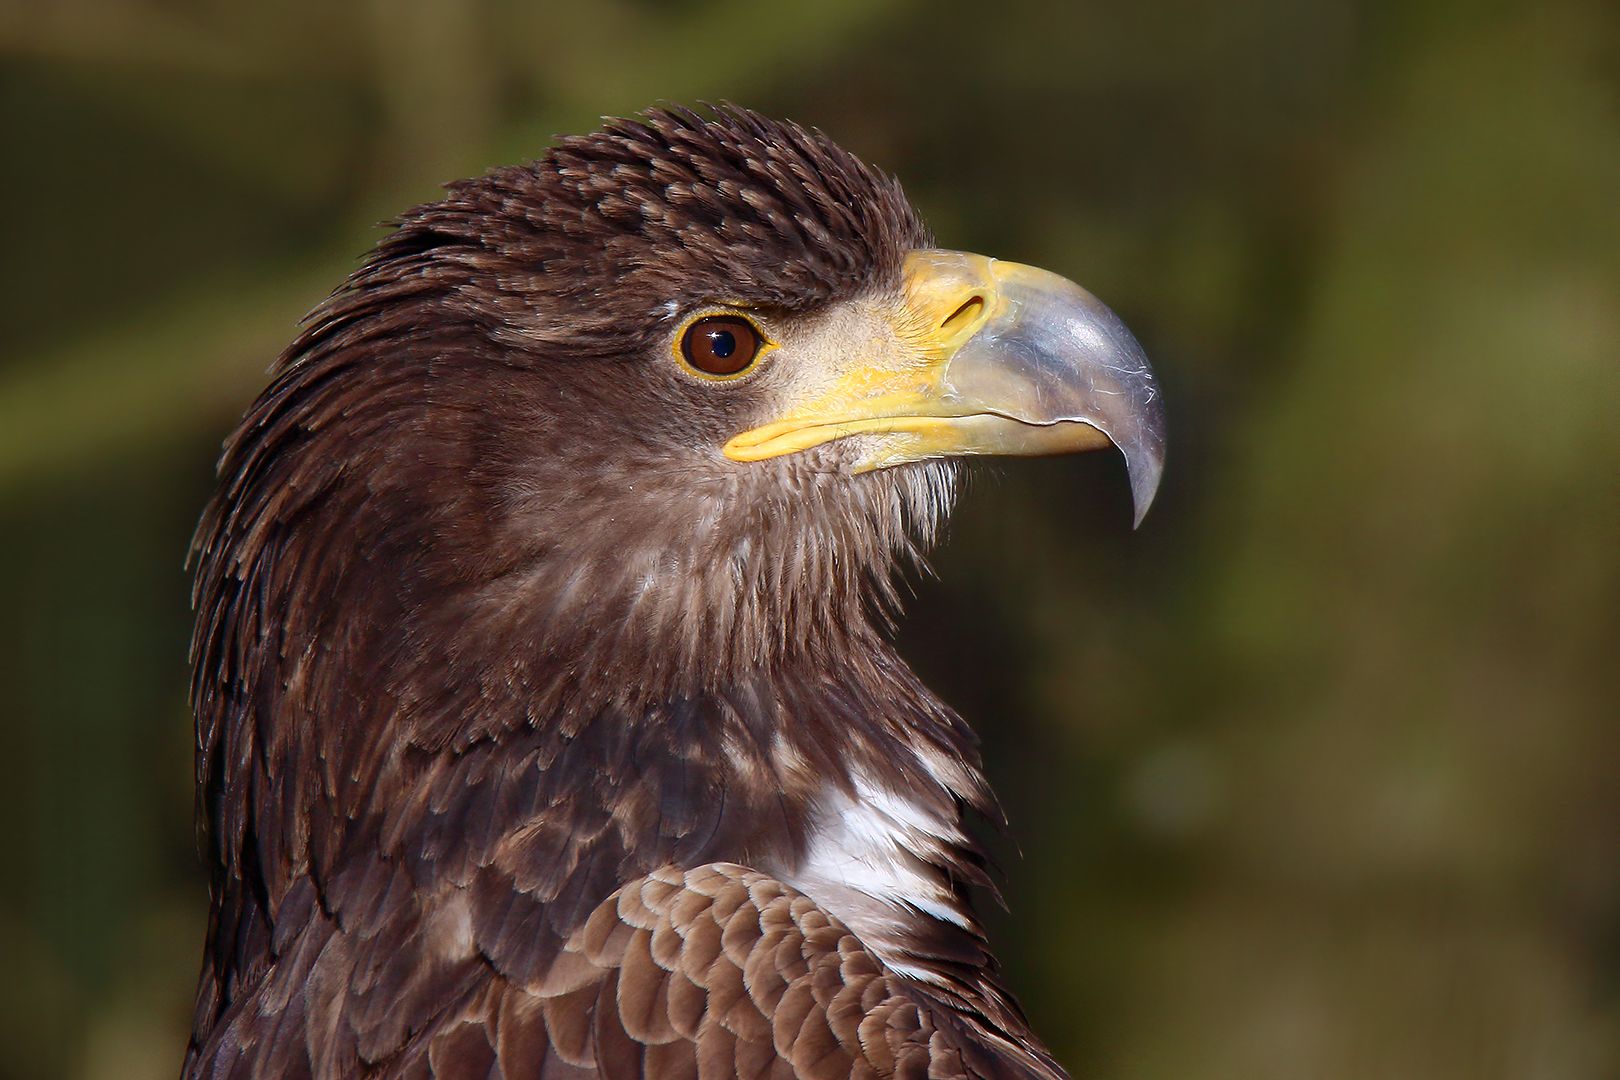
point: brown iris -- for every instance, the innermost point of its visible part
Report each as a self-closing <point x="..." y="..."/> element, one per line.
<point x="720" y="344"/>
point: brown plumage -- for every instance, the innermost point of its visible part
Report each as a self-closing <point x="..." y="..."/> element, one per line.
<point x="523" y="708"/>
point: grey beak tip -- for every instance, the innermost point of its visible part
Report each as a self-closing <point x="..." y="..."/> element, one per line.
<point x="1144" y="485"/>
<point x="1141" y="437"/>
<point x="1144" y="463"/>
<point x="1134" y="411"/>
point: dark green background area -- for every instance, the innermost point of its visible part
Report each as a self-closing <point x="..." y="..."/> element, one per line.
<point x="1317" y="775"/>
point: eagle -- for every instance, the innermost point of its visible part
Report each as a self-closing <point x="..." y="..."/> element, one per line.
<point x="548" y="722"/>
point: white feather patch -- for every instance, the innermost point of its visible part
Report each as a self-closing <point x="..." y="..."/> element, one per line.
<point x="870" y="863"/>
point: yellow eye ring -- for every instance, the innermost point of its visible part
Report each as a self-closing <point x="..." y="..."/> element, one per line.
<point x="721" y="346"/>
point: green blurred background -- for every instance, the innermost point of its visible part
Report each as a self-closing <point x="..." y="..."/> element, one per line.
<point x="1315" y="776"/>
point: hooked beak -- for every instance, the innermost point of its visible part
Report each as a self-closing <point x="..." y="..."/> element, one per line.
<point x="994" y="358"/>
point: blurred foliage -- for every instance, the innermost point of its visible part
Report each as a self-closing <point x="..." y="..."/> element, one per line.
<point x="1313" y="775"/>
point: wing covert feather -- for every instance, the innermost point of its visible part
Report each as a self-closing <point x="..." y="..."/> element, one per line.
<point x="716" y="973"/>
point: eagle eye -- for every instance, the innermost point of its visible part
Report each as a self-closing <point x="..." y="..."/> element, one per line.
<point x="721" y="344"/>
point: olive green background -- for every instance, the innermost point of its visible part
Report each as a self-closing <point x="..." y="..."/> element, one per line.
<point x="1317" y="775"/>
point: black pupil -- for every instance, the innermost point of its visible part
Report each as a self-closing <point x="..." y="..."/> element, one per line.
<point x="722" y="343"/>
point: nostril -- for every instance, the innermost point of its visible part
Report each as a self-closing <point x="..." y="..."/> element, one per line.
<point x="963" y="316"/>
